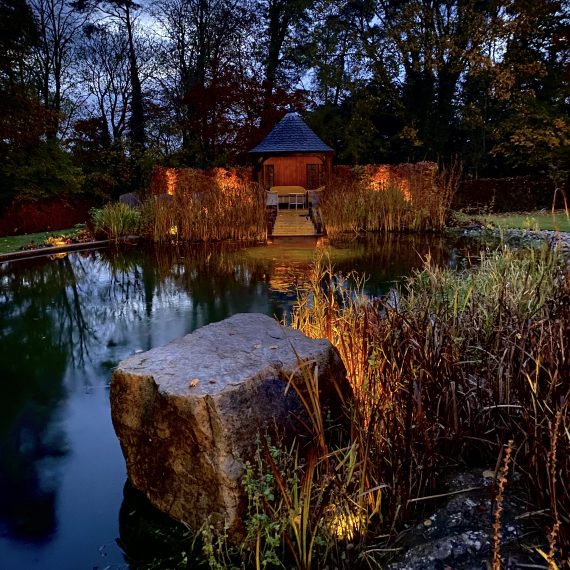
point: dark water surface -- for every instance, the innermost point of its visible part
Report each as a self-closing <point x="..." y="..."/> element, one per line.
<point x="66" y="322"/>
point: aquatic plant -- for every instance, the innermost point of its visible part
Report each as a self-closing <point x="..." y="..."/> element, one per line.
<point x="207" y="208"/>
<point x="416" y="200"/>
<point x="115" y="220"/>
<point x="451" y="367"/>
<point x="446" y="369"/>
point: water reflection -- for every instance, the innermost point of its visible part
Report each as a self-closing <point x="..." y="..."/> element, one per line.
<point x="35" y="337"/>
<point x="64" y="324"/>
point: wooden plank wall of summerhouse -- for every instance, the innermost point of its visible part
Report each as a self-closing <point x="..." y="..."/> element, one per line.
<point x="291" y="170"/>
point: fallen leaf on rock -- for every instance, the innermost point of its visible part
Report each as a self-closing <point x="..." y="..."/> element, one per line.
<point x="212" y="380"/>
<point x="194" y="382"/>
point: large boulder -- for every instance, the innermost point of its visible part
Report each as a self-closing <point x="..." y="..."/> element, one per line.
<point x="187" y="414"/>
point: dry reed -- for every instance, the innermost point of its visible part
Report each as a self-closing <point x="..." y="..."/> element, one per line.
<point x="450" y="361"/>
<point x="502" y="484"/>
<point x="421" y="204"/>
<point x="207" y="208"/>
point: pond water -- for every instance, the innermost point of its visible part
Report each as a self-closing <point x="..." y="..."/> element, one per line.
<point x="66" y="322"/>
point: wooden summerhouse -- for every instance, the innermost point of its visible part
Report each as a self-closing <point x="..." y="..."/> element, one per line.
<point x="292" y="158"/>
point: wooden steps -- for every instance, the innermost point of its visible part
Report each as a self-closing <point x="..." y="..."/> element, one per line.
<point x="293" y="223"/>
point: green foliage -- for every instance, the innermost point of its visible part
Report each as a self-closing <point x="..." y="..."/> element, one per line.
<point x="536" y="137"/>
<point x="116" y="220"/>
<point x="264" y="532"/>
<point x="43" y="170"/>
<point x="111" y="168"/>
<point x="215" y="549"/>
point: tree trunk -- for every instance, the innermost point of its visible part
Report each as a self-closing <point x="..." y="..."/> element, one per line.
<point x="137" y="118"/>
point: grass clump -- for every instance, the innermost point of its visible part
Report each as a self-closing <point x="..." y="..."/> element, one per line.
<point x="116" y="220"/>
<point x="445" y="371"/>
<point x="304" y="499"/>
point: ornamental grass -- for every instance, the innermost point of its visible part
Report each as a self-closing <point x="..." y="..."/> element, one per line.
<point x="448" y="370"/>
<point x="207" y="208"/>
<point x="115" y="221"/>
<point x="415" y="199"/>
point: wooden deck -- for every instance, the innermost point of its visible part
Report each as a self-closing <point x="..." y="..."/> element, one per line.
<point x="293" y="223"/>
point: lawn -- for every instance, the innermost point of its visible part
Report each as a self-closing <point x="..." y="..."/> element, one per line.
<point x="9" y="244"/>
<point x="528" y="221"/>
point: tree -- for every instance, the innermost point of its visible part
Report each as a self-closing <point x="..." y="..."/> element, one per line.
<point x="418" y="52"/>
<point x="123" y="13"/>
<point x="283" y="27"/>
<point x="209" y="77"/>
<point x="104" y="73"/>
<point x="336" y="61"/>
<point x="532" y="91"/>
<point x="59" y="26"/>
<point x="31" y="166"/>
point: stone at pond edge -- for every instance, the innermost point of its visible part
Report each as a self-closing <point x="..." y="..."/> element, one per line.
<point x="460" y="532"/>
<point x="185" y="437"/>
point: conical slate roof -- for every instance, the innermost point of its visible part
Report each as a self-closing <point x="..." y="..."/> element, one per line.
<point x="291" y="134"/>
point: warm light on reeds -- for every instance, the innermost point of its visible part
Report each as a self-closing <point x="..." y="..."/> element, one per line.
<point x="460" y="361"/>
<point x="214" y="206"/>
<point x="407" y="197"/>
<point x="171" y="180"/>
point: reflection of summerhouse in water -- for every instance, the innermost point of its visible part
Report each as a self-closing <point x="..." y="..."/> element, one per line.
<point x="292" y="158"/>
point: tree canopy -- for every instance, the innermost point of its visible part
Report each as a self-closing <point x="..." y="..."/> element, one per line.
<point x="100" y="88"/>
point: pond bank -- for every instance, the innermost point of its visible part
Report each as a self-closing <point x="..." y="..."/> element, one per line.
<point x="68" y="247"/>
<point x="517" y="237"/>
<point x="513" y="237"/>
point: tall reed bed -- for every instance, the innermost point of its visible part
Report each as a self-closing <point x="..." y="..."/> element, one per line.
<point x="207" y="208"/>
<point x="416" y="199"/>
<point x="452" y="367"/>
